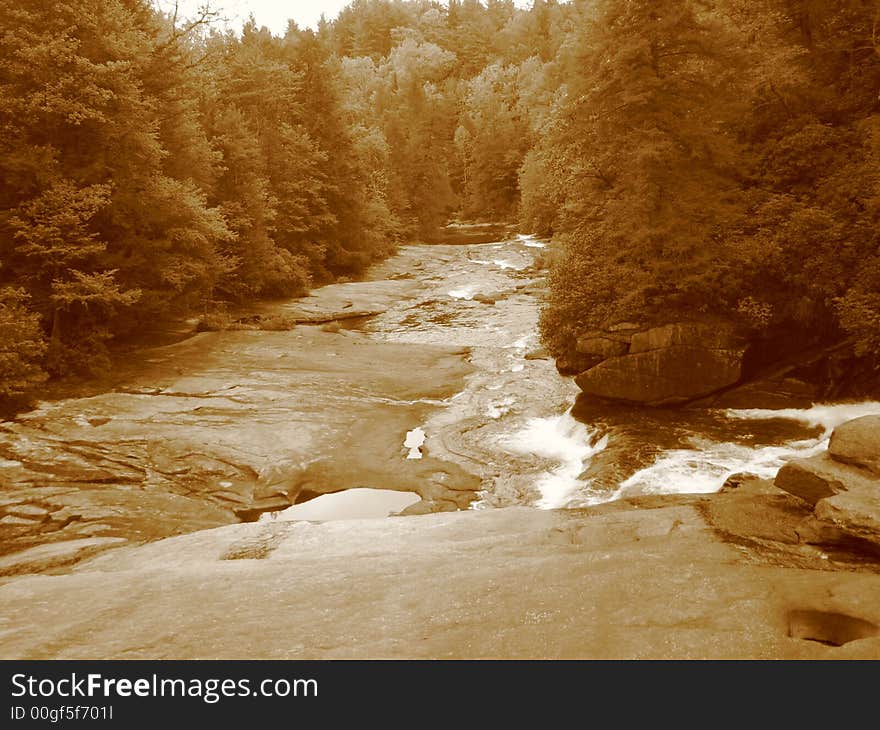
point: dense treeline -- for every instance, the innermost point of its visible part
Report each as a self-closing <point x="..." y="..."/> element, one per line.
<point x="714" y="158"/>
<point x="152" y="166"/>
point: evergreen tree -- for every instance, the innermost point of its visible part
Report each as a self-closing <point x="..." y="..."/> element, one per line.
<point x="690" y="159"/>
<point x="644" y="144"/>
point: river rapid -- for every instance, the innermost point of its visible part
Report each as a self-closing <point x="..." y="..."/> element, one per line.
<point x="522" y="423"/>
<point x="422" y="387"/>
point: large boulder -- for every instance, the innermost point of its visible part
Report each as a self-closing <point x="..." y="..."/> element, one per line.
<point x="668" y="365"/>
<point x="685" y="334"/>
<point x="843" y="483"/>
<point x="856" y="512"/>
<point x="662" y="377"/>
<point x="603" y="345"/>
<point x="857" y="442"/>
<point x="817" y="477"/>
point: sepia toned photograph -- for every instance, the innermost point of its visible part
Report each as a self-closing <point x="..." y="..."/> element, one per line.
<point x="438" y="330"/>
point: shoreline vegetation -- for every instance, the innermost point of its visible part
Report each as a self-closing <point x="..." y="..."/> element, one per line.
<point x="679" y="198"/>
<point x="691" y="162"/>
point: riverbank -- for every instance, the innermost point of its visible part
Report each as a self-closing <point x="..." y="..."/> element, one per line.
<point x="439" y="342"/>
<point x="221" y="426"/>
<point x="717" y="576"/>
<point x="163" y="499"/>
<point x="225" y="426"/>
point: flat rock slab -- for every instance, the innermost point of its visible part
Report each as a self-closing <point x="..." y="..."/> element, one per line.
<point x="52" y="555"/>
<point x="648" y="580"/>
<point x="349" y="300"/>
<point x="224" y="421"/>
<point x="856" y="512"/>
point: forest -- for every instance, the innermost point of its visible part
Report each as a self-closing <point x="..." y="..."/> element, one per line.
<point x="714" y="158"/>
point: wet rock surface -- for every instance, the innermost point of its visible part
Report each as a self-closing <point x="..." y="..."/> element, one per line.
<point x="251" y="420"/>
<point x="660" y="366"/>
<point x="842" y="484"/>
<point x="820" y="476"/>
<point x="721" y="576"/>
<point x="225" y="426"/>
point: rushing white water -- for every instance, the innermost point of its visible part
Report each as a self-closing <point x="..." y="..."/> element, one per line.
<point x="500" y="263"/>
<point x="527" y="240"/>
<point x="705" y="467"/>
<point x="827" y="415"/>
<point x="561" y="439"/>
<point x="500" y="408"/>
<point x="521" y="344"/>
<point x="702" y="468"/>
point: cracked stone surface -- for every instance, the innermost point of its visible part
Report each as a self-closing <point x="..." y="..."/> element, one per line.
<point x="716" y="576"/>
<point x="251" y="416"/>
<point x="223" y="426"/>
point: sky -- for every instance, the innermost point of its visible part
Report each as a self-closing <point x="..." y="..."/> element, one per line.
<point x="271" y="13"/>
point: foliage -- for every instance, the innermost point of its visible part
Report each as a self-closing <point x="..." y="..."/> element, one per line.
<point x="21" y="346"/>
<point x="703" y="158"/>
<point x="713" y="159"/>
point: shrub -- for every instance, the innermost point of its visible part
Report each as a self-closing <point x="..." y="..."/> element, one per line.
<point x="22" y="346"/>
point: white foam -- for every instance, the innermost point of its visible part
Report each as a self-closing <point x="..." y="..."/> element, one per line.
<point x="414" y="440"/>
<point x="500" y="263"/>
<point x="564" y="440"/>
<point x="705" y="468"/>
<point x="463" y="293"/>
<point x="529" y="240"/>
<point x="828" y="416"/>
<point x="521" y="344"/>
<point x="501" y="408"/>
<point x="504" y="264"/>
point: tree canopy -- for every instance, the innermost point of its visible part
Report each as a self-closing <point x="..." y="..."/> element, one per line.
<point x="717" y="158"/>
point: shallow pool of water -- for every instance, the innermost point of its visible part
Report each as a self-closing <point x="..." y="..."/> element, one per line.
<point x="352" y="504"/>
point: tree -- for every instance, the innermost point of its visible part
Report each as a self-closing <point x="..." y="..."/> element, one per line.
<point x="56" y="257"/>
<point x="94" y="218"/>
<point x="807" y="241"/>
<point x="644" y="145"/>
<point x="493" y="139"/>
<point x="21" y="346"/>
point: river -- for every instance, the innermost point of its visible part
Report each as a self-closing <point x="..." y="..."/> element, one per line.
<point x="428" y="381"/>
<point x="516" y="417"/>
